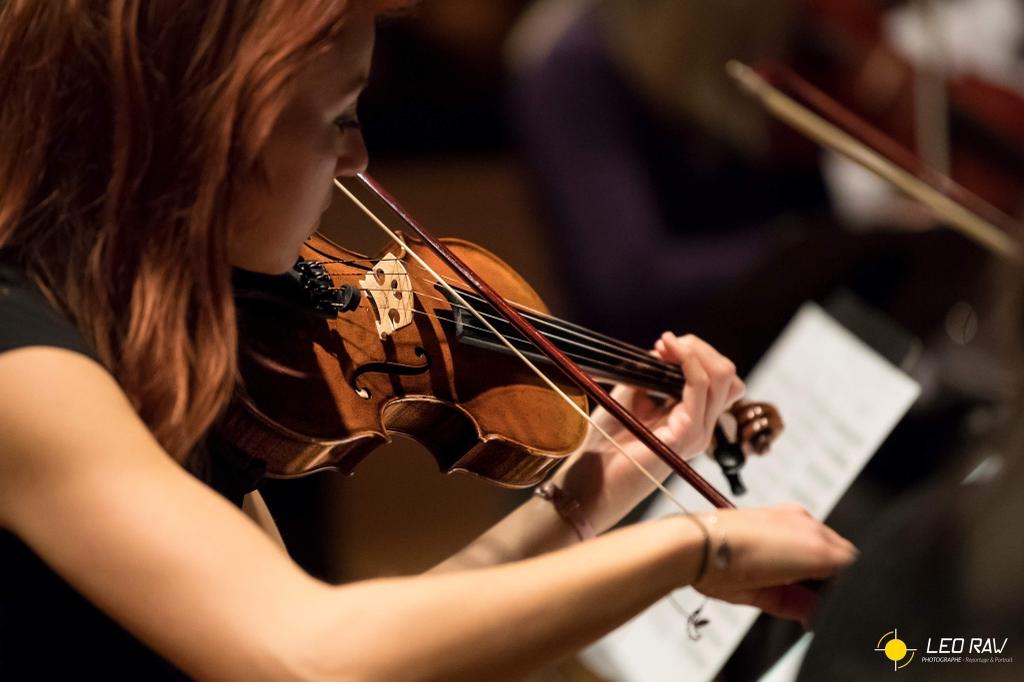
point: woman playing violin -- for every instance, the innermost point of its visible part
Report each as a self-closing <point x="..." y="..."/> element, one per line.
<point x="146" y="149"/>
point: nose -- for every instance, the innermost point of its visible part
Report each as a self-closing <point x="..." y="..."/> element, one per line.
<point x="354" y="158"/>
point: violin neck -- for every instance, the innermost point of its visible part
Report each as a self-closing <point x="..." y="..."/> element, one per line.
<point x="601" y="356"/>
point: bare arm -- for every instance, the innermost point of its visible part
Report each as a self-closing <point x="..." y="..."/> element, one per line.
<point x="85" y="485"/>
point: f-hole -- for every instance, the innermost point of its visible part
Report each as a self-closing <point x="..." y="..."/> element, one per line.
<point x="392" y="368"/>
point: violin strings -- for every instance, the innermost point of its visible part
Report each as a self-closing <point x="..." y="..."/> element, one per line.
<point x="634" y="377"/>
<point x="637" y="376"/>
<point x="656" y="371"/>
<point x="534" y="316"/>
<point x="523" y="310"/>
<point x="526" y="312"/>
<point x="671" y="383"/>
<point x="551" y="384"/>
<point x="620" y="348"/>
<point x="590" y="335"/>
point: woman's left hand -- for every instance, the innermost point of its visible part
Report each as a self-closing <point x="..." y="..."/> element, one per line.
<point x="606" y="484"/>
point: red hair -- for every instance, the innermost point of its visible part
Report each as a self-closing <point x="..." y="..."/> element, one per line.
<point x="126" y="128"/>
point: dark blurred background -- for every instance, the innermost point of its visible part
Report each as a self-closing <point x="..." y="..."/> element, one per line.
<point x="598" y="147"/>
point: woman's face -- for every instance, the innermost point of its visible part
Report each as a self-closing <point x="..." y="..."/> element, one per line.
<point x="316" y="139"/>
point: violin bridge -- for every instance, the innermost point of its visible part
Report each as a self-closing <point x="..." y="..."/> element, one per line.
<point x="389" y="289"/>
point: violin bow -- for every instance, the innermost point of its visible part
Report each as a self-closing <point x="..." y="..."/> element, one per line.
<point x="557" y="357"/>
<point x="865" y="145"/>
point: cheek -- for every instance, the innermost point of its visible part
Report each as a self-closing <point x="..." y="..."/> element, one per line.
<point x="300" y="181"/>
<point x="280" y="212"/>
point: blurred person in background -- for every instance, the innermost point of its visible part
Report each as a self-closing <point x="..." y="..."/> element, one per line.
<point x="637" y="138"/>
<point x="657" y="174"/>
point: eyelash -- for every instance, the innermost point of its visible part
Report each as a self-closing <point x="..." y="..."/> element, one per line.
<point x="344" y="123"/>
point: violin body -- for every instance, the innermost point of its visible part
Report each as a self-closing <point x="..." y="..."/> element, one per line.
<point x="321" y="391"/>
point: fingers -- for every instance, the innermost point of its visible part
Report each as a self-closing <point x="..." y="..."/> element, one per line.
<point x="737" y="389"/>
<point x="846" y="549"/>
<point x="774" y="547"/>
<point x="698" y="382"/>
<point x="792" y="602"/>
<point x="711" y="381"/>
<point x="711" y="386"/>
<point x="826" y="551"/>
<point x="716" y="369"/>
<point x="725" y="387"/>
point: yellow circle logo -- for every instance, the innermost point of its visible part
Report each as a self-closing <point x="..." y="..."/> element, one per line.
<point x="895" y="649"/>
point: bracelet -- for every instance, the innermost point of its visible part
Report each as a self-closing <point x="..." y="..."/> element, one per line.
<point x="568" y="508"/>
<point x="706" y="553"/>
<point x="723" y="552"/>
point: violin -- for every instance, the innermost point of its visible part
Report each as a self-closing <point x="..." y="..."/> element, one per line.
<point x="346" y="350"/>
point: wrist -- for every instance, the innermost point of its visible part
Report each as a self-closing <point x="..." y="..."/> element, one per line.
<point x="716" y="552"/>
<point x="606" y="490"/>
<point x="690" y="547"/>
<point x="704" y="551"/>
<point x="568" y="508"/>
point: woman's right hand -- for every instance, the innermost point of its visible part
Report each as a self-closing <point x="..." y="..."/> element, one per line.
<point x="757" y="555"/>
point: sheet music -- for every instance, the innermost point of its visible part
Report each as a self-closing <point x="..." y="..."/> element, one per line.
<point x="839" y="400"/>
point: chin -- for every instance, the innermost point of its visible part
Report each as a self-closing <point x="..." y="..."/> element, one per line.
<point x="273" y="254"/>
<point x="286" y="264"/>
<point x="277" y="263"/>
<point x="282" y="269"/>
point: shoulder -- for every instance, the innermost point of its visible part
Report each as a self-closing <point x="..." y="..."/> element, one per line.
<point x="61" y="412"/>
<point x="52" y="387"/>
<point x="48" y="394"/>
<point x="27" y="318"/>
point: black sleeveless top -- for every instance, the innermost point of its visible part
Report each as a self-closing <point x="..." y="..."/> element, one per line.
<point x="47" y="630"/>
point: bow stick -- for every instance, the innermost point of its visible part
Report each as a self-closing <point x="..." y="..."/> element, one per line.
<point x="950" y="202"/>
<point x="557" y="357"/>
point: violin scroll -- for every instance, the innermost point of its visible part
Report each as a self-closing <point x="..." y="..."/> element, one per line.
<point x="758" y="425"/>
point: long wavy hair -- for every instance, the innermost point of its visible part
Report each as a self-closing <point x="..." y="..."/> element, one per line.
<point x="126" y="130"/>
